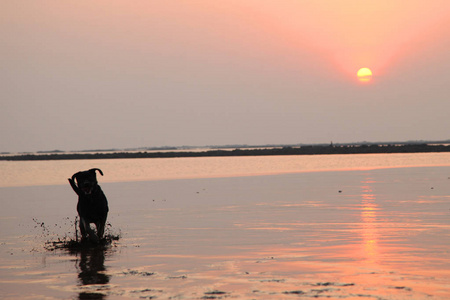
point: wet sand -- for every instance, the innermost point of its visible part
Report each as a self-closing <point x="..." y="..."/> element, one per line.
<point x="367" y="234"/>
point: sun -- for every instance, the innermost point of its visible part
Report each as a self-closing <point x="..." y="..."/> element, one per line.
<point x="364" y="75"/>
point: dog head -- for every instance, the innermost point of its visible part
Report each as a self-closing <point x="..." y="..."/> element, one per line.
<point x="87" y="180"/>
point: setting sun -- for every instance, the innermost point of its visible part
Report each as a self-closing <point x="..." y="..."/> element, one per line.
<point x="364" y="75"/>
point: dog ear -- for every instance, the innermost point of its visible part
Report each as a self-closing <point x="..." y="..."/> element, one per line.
<point x="96" y="169"/>
<point x="73" y="185"/>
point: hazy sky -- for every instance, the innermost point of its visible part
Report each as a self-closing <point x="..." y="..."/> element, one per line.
<point x="86" y="74"/>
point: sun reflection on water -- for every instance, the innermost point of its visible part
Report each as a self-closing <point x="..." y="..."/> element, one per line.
<point x="369" y="218"/>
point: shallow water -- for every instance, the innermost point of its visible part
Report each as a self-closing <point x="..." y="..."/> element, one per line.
<point x="361" y="234"/>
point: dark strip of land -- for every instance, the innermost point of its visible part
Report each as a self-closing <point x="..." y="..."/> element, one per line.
<point x="303" y="150"/>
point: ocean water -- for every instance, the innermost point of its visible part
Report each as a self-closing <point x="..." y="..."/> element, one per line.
<point x="26" y="173"/>
<point x="339" y="227"/>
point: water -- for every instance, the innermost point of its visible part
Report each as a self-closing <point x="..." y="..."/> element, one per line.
<point x="340" y="227"/>
<point x="26" y="173"/>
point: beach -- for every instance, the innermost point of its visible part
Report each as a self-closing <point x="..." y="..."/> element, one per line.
<point x="377" y="230"/>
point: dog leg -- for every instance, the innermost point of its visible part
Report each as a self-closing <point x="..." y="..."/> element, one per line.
<point x="87" y="229"/>
<point x="82" y="226"/>
<point x="101" y="228"/>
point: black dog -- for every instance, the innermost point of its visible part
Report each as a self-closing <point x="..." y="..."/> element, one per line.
<point x="92" y="205"/>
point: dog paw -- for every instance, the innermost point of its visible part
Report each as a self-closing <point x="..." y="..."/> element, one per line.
<point x="94" y="238"/>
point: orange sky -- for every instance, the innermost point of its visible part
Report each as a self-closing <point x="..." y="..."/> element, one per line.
<point x="225" y="72"/>
<point x="353" y="34"/>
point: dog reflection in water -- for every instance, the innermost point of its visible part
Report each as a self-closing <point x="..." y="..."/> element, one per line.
<point x="92" y="205"/>
<point x="92" y="271"/>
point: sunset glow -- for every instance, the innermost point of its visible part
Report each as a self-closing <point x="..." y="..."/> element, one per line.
<point x="213" y="67"/>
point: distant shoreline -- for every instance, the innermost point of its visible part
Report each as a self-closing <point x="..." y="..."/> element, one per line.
<point x="287" y="150"/>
